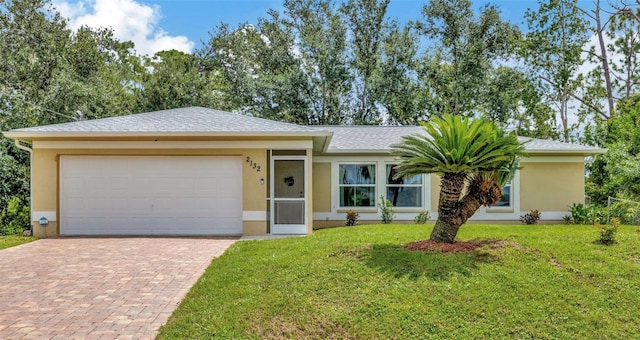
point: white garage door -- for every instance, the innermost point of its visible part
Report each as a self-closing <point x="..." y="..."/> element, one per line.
<point x="149" y="195"/>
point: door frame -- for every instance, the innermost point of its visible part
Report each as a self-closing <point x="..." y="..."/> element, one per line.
<point x="290" y="229"/>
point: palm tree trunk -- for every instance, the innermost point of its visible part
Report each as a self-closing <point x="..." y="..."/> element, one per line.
<point x="448" y="223"/>
<point x="454" y="210"/>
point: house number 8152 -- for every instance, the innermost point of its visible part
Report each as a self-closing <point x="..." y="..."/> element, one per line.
<point x="252" y="164"/>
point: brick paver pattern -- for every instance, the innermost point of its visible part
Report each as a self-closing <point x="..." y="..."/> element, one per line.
<point x="98" y="288"/>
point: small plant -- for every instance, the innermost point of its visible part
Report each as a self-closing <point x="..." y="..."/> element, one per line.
<point x="387" y="210"/>
<point x="579" y="213"/>
<point x="422" y="217"/>
<point x="14" y="219"/>
<point x="352" y="218"/>
<point x="608" y="232"/>
<point x="531" y="217"/>
<point x="567" y="219"/>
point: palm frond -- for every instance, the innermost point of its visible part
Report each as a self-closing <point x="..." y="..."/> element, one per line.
<point x="453" y="144"/>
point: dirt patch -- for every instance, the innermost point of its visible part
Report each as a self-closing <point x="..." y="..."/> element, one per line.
<point x="455" y="247"/>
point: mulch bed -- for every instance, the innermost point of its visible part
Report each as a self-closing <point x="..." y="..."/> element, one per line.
<point x="455" y="247"/>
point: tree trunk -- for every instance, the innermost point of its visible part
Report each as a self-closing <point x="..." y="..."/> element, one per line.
<point x="454" y="210"/>
<point x="604" y="59"/>
<point x="448" y="222"/>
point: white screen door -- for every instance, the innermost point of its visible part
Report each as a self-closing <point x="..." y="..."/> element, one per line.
<point x="288" y="195"/>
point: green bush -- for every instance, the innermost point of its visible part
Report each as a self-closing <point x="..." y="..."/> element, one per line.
<point x="422" y="217"/>
<point x="14" y="196"/>
<point x="628" y="212"/>
<point x="579" y="213"/>
<point x="15" y="217"/>
<point x="608" y="232"/>
<point x="387" y="210"/>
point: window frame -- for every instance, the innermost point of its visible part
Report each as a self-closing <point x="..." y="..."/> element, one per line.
<point x="373" y="185"/>
<point x="504" y="208"/>
<point x="420" y="185"/>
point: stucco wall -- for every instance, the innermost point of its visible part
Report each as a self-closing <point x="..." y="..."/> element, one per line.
<point x="322" y="187"/>
<point x="551" y="186"/>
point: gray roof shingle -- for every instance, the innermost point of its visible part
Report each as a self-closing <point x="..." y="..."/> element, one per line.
<point x="375" y="139"/>
<point x="204" y="121"/>
<point x="182" y="120"/>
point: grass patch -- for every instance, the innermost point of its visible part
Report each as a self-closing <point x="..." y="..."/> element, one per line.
<point x="7" y="241"/>
<point x="359" y="282"/>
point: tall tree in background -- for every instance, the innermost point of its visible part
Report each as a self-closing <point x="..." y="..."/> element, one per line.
<point x="321" y="39"/>
<point x="260" y="69"/>
<point x="459" y="67"/>
<point x="177" y="79"/>
<point x="368" y="27"/>
<point x="396" y="87"/>
<point x="552" y="50"/>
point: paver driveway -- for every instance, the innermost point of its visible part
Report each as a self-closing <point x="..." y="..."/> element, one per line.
<point x="95" y="288"/>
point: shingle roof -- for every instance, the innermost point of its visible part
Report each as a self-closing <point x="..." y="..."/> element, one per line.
<point x="183" y="120"/>
<point x="209" y="122"/>
<point x="377" y="139"/>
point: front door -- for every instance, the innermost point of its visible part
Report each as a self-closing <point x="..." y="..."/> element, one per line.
<point x="289" y="195"/>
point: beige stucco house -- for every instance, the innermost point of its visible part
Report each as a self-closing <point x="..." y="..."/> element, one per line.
<point x="198" y="171"/>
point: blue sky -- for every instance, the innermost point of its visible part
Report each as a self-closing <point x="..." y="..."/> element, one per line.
<point x="194" y="18"/>
<point x="155" y="25"/>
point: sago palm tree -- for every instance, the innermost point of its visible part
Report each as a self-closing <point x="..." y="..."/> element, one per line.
<point x="474" y="158"/>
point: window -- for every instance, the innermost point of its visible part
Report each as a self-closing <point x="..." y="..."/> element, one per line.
<point x="505" y="200"/>
<point x="403" y="192"/>
<point x="357" y="185"/>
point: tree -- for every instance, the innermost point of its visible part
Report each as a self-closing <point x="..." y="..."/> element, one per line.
<point x="368" y="31"/>
<point x="178" y="79"/>
<point x="474" y="158"/>
<point x="260" y="72"/>
<point x="618" y="171"/>
<point x="552" y="49"/>
<point x="466" y="49"/>
<point x="321" y="37"/>
<point x="395" y="85"/>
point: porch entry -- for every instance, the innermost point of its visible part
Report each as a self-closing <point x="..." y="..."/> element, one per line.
<point x="288" y="194"/>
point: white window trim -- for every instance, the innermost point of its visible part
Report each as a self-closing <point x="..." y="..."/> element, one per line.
<point x="372" y="185"/>
<point x="368" y="213"/>
<point x="423" y="187"/>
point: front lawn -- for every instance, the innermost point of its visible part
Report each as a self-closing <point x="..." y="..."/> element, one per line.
<point x="7" y="241"/>
<point x="358" y="282"/>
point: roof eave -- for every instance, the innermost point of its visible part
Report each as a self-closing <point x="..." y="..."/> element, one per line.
<point x="567" y="152"/>
<point x="28" y="136"/>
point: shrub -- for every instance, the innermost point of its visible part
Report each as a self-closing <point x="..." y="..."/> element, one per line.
<point x="627" y="211"/>
<point x="352" y="218"/>
<point x="387" y="210"/>
<point x="531" y="217"/>
<point x="422" y="217"/>
<point x="15" y="217"/>
<point x="608" y="232"/>
<point x="579" y="213"/>
<point x="567" y="219"/>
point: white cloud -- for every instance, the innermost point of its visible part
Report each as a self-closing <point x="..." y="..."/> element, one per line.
<point x="129" y="19"/>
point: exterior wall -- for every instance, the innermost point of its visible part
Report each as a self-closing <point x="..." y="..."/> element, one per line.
<point x="322" y="187"/>
<point x="326" y="195"/>
<point x="435" y="193"/>
<point x="551" y="186"/>
<point x="45" y="178"/>
<point x="548" y="183"/>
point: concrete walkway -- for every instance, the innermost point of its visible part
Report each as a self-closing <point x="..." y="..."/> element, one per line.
<point x="98" y="288"/>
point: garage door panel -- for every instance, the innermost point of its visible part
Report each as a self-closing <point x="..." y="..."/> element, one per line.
<point x="130" y="195"/>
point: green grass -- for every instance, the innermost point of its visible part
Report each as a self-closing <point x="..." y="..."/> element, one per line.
<point x="7" y="241"/>
<point x="546" y="282"/>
